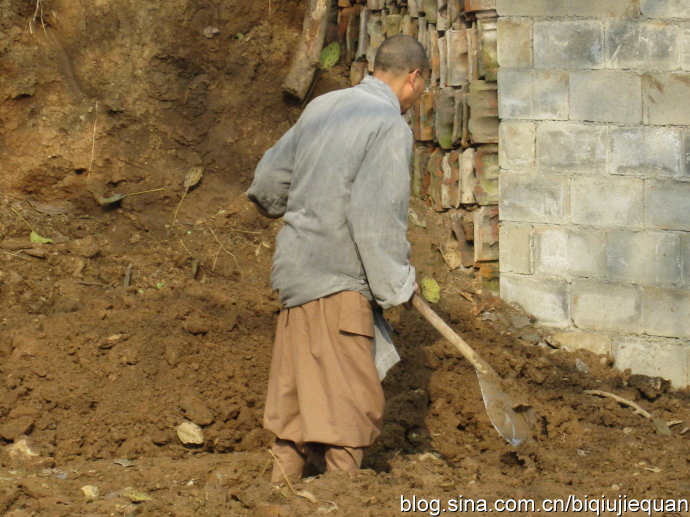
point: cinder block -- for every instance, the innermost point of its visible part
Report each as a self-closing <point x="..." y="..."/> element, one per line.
<point x="516" y="248"/>
<point x="569" y="44"/>
<point x="595" y="342"/>
<point x="665" y="8"/>
<point x="532" y="94"/>
<point x="685" y="156"/>
<point x="514" y="43"/>
<point x="603" y="8"/>
<point x="608" y="307"/>
<point x="685" y="46"/>
<point x="665" y="99"/>
<point x="568" y="147"/>
<point x="593" y="8"/>
<point x="607" y="201"/>
<point x="667" y="205"/>
<point x="656" y="357"/>
<point x="569" y="253"/>
<point x="643" y="257"/>
<point x="642" y="45"/>
<point x="516" y="147"/>
<point x="547" y="300"/>
<point x="606" y="96"/>
<point x="534" y="198"/>
<point x="645" y="151"/>
<point x="685" y="258"/>
<point x="666" y="311"/>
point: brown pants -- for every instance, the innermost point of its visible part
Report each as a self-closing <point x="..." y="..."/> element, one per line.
<point x="323" y="386"/>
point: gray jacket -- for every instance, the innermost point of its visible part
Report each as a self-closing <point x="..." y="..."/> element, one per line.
<point x="340" y="179"/>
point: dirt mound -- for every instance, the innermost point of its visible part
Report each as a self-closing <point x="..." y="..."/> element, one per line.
<point x="127" y="325"/>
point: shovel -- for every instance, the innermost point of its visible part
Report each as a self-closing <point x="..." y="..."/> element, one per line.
<point x="514" y="426"/>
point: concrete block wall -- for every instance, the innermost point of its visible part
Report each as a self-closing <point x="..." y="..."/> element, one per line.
<point x="594" y="182"/>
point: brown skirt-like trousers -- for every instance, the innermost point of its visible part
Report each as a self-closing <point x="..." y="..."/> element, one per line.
<point x="323" y="386"/>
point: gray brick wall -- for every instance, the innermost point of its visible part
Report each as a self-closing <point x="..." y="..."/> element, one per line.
<point x="594" y="151"/>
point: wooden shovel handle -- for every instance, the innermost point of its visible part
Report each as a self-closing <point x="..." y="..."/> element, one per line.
<point x="447" y="332"/>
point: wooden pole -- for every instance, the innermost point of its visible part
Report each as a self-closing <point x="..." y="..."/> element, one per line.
<point x="306" y="60"/>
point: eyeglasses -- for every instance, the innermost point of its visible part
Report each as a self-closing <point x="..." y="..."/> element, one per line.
<point x="427" y="87"/>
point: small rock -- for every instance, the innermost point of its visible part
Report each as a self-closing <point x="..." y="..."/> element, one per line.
<point x="190" y="434"/>
<point x="520" y="321"/>
<point x="90" y="492"/>
<point x="21" y="448"/>
<point x="87" y="247"/>
<point x="416" y="220"/>
<point x="488" y="316"/>
<point x="581" y="366"/>
<point x="210" y="32"/>
<point x="531" y="336"/>
<point x="113" y="340"/>
<point x="451" y="254"/>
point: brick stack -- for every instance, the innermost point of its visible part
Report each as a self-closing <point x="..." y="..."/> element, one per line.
<point x="455" y="123"/>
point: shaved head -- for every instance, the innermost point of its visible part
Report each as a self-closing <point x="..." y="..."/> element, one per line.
<point x="401" y="54"/>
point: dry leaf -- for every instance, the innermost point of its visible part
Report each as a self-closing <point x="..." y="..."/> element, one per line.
<point x="110" y="200"/>
<point x="193" y="177"/>
<point x="307" y="495"/>
<point x="135" y="495"/>
<point x="36" y="238"/>
<point x="56" y="208"/>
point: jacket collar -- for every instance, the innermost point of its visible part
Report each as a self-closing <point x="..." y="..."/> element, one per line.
<point x="380" y="89"/>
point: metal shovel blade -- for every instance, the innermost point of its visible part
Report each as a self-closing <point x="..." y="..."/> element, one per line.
<point x="514" y="426"/>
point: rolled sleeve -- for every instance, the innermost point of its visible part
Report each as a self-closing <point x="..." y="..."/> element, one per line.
<point x="271" y="183"/>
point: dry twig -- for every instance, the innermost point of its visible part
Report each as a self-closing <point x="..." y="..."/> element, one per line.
<point x="19" y="255"/>
<point x="635" y="407"/>
<point x="93" y="141"/>
<point x="38" y="13"/>
<point x="225" y="250"/>
<point x="292" y="488"/>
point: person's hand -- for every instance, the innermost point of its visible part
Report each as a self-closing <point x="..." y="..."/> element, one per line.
<point x="408" y="303"/>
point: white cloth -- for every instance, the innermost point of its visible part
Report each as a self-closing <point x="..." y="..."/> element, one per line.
<point x="385" y="354"/>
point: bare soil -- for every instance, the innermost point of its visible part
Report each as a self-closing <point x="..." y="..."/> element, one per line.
<point x="102" y="98"/>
